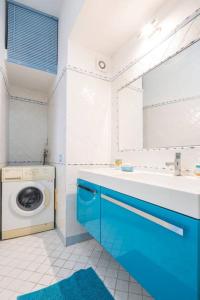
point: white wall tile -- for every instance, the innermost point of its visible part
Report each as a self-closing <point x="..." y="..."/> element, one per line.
<point x="27" y="93"/>
<point x="4" y="104"/>
<point x="57" y="123"/>
<point x="3" y="92"/>
<point x="88" y="119"/>
<point x="27" y="130"/>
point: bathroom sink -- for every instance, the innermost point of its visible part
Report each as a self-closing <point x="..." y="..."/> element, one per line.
<point x="178" y="193"/>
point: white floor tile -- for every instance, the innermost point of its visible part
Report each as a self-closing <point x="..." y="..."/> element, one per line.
<point x="122" y="286"/>
<point x="15" y="285"/>
<point x="35" y="277"/>
<point x="33" y="266"/>
<point x="26" y="287"/>
<point x="123" y="275"/>
<point x="53" y="270"/>
<point x="135" y="288"/>
<point x="110" y="282"/>
<point x="24" y="275"/>
<point x="42" y="269"/>
<point x="69" y="265"/>
<point x="36" y="261"/>
<point x="38" y="287"/>
<point x="46" y="279"/>
<point x="111" y="273"/>
<point x="134" y="297"/>
<point x="59" y="262"/>
<point x="121" y="295"/>
<point x="64" y="273"/>
<point x="5" y="282"/>
<point x="7" y="295"/>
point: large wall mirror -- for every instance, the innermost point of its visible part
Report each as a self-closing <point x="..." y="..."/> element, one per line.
<point x="162" y="108"/>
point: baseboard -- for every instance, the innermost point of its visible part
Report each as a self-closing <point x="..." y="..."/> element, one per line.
<point x="71" y="240"/>
<point x="9" y="234"/>
<point x="61" y="236"/>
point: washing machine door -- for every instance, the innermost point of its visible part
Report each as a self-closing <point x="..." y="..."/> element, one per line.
<point x="30" y="200"/>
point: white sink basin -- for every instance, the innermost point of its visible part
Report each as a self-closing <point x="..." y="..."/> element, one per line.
<point x="178" y="193"/>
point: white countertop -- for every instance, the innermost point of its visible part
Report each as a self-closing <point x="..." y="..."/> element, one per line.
<point x="177" y="193"/>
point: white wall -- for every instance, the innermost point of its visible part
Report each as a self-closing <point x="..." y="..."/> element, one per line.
<point x="3" y="91"/>
<point x="140" y="59"/>
<point x="57" y="146"/>
<point x="68" y="13"/>
<point x="57" y="111"/>
<point x="80" y="101"/>
<point x="88" y="122"/>
<point x="3" y="122"/>
<point x="51" y="7"/>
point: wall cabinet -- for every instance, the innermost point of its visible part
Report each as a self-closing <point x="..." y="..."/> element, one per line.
<point x="160" y="248"/>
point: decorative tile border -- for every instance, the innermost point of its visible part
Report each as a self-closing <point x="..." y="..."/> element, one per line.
<point x="79" y="164"/>
<point x="80" y="71"/>
<point x="172" y="102"/>
<point x="34" y="101"/>
<point x="24" y="162"/>
<point x="162" y="148"/>
<point x="88" y="164"/>
<point x="88" y="73"/>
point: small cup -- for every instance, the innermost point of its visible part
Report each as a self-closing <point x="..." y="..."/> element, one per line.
<point x="118" y="162"/>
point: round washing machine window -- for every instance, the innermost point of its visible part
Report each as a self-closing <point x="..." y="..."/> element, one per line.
<point x="29" y="199"/>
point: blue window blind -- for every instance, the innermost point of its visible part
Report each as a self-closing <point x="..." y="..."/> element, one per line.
<point x="32" y="38"/>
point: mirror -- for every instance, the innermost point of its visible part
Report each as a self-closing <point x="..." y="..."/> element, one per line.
<point x="162" y="108"/>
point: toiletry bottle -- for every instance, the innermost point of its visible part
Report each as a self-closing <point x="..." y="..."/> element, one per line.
<point x="197" y="169"/>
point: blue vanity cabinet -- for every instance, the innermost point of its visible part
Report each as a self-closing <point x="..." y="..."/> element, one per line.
<point x="159" y="247"/>
<point x="88" y="207"/>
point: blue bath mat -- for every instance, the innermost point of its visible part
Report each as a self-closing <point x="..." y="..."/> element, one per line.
<point x="82" y="285"/>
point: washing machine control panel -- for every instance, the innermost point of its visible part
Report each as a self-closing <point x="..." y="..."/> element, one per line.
<point x="12" y="174"/>
<point x="37" y="173"/>
<point x="31" y="173"/>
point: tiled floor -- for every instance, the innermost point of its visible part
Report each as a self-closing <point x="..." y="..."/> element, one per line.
<point x="33" y="262"/>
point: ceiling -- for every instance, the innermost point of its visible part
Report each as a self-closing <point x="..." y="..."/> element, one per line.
<point x="29" y="78"/>
<point x="105" y="25"/>
<point x="51" y="7"/>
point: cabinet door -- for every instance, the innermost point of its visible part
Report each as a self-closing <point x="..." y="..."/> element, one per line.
<point x="88" y="207"/>
<point x="160" y="248"/>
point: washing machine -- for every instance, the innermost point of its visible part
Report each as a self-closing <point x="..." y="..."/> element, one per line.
<point x="27" y="200"/>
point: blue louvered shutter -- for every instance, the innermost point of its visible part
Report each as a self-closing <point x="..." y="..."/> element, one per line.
<point x="32" y="38"/>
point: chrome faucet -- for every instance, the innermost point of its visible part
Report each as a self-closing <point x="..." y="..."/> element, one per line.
<point x="176" y="164"/>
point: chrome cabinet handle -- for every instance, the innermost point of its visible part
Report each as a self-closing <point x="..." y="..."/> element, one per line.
<point x="169" y="226"/>
<point x="86" y="189"/>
